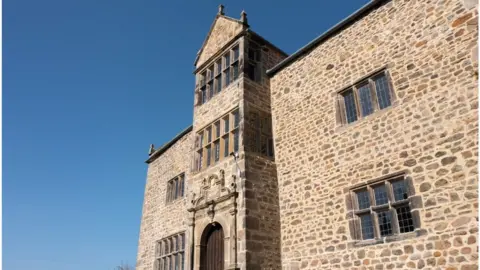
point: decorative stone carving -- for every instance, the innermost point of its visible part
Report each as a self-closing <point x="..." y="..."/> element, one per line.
<point x="212" y="188"/>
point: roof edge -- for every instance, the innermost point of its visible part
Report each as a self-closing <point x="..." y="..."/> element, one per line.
<point x="266" y="41"/>
<point x="327" y="34"/>
<point x="168" y="144"/>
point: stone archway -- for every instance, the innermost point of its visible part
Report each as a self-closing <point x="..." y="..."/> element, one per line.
<point x="212" y="248"/>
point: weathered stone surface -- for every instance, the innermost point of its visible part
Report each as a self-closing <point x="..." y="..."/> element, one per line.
<point x="431" y="132"/>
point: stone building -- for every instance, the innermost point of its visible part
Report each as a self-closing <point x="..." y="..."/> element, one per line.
<point x="358" y="151"/>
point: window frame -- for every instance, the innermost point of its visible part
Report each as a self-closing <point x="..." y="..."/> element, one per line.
<point x="213" y="78"/>
<point x="368" y="80"/>
<point x="175" y="188"/>
<point x="392" y="207"/>
<point x="222" y="138"/>
<point x="176" y="252"/>
<point x="256" y="62"/>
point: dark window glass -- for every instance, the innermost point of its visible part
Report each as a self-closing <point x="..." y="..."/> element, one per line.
<point x="200" y="159"/>
<point x="182" y="182"/>
<point x="216" y="147"/>
<point x="210" y="73"/>
<point x="217" y="130"/>
<point x="363" y="199"/>
<point x="165" y="264"/>
<point x="236" y="53"/>
<point x="209" y="155"/>
<point x="380" y="195"/>
<point x="218" y="80"/>
<point x="367" y="226"/>
<point x="270" y="148"/>
<point x="183" y="261"/>
<point x="204" y="95"/>
<point x="235" y="71"/>
<point x="226" y="125"/>
<point x="236" y="119"/>
<point x="209" y="135"/>
<point x="175" y="195"/>
<point x="405" y="220"/>
<point x="365" y="100"/>
<point x="219" y="66"/>
<point x="350" y="108"/>
<point x="227" y="59"/>
<point x="399" y="190"/>
<point x="201" y="140"/>
<point x="383" y="91"/>
<point x="235" y="141"/>
<point x="203" y="80"/>
<point x="210" y="89"/>
<point x="226" y="146"/>
<point x="385" y="223"/>
<point x="251" y="69"/>
<point x="227" y="77"/>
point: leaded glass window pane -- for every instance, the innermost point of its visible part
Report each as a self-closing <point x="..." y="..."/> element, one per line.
<point x="363" y="199"/>
<point x="209" y="135"/>
<point x="385" y="223"/>
<point x="235" y="71"/>
<point x="204" y="95"/>
<point x="367" y="226"/>
<point x="175" y="194"/>
<point x="236" y="119"/>
<point x="380" y="195"/>
<point x="216" y="147"/>
<point x="217" y="130"/>
<point x="226" y="125"/>
<point x="365" y="100"/>
<point x="219" y="83"/>
<point x="236" y="53"/>
<point x="226" y="146"/>
<point x="235" y="141"/>
<point x="209" y="155"/>
<point x="182" y="185"/>
<point x="200" y="159"/>
<point x="350" y="107"/>
<point x="383" y="91"/>
<point x="227" y="77"/>
<point x="399" y="190"/>
<point x="405" y="220"/>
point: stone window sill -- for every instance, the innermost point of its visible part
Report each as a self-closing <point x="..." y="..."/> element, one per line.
<point x="388" y="239"/>
<point x="345" y="127"/>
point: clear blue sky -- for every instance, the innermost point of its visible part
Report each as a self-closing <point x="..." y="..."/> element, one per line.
<point x="87" y="86"/>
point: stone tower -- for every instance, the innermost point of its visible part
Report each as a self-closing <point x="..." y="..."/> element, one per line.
<point x="211" y="198"/>
<point x="233" y="179"/>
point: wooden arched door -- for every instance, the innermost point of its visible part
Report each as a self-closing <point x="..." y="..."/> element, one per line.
<point x="211" y="257"/>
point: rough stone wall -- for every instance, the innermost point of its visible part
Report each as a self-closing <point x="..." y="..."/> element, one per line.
<point x="159" y="219"/>
<point x="431" y="132"/>
<point x="260" y="185"/>
<point x="223" y="31"/>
